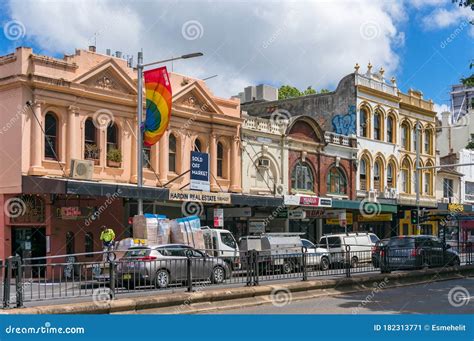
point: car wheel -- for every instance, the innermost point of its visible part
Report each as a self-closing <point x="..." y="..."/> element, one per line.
<point x="354" y="261"/>
<point x="324" y="264"/>
<point x="218" y="275"/>
<point x="162" y="279"/>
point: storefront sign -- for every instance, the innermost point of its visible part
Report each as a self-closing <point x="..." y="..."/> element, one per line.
<point x="238" y="212"/>
<point x="199" y="179"/>
<point x="206" y="197"/>
<point x="256" y="227"/>
<point x="306" y="200"/>
<point x="218" y="217"/>
<point x="335" y="221"/>
<point x="74" y="212"/>
<point x="296" y="214"/>
<point x="455" y="207"/>
<point x="377" y="217"/>
<point x="315" y="213"/>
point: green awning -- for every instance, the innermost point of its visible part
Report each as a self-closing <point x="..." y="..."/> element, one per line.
<point x="355" y="205"/>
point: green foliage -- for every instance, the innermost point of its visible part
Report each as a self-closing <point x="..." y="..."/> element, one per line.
<point x="288" y="91"/>
<point x="114" y="155"/>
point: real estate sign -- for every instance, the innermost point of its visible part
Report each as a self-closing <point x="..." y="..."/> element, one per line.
<point x="199" y="172"/>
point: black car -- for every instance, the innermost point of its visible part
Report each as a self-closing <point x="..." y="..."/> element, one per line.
<point x="416" y="252"/>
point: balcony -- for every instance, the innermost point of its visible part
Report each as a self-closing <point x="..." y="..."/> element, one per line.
<point x="265" y="125"/>
<point x="343" y="140"/>
<point x="376" y="83"/>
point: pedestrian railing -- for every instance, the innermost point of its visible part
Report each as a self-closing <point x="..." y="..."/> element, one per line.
<point x="82" y="275"/>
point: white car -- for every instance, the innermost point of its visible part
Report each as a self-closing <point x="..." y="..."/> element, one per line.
<point x="316" y="256"/>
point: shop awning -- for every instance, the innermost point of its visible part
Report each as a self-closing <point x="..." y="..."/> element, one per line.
<point x="355" y="205"/>
<point x="256" y="200"/>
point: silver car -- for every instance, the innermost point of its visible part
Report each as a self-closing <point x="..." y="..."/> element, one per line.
<point x="163" y="265"/>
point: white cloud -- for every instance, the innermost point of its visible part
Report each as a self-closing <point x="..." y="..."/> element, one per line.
<point x="298" y="43"/>
<point x="439" y="108"/>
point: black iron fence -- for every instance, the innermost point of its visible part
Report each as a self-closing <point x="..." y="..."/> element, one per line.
<point x="82" y="275"/>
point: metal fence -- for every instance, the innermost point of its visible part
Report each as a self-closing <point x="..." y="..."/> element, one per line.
<point x="79" y="275"/>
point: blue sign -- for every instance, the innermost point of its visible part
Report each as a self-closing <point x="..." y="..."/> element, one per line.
<point x="199" y="172"/>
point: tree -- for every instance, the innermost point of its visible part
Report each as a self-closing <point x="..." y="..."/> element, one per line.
<point x="288" y="91"/>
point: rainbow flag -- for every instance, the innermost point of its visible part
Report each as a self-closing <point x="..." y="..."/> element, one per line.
<point x="158" y="104"/>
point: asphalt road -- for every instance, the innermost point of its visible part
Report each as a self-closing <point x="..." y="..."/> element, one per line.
<point x="430" y="298"/>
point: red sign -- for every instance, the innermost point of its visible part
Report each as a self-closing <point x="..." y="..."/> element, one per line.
<point x="70" y="212"/>
<point x="309" y="201"/>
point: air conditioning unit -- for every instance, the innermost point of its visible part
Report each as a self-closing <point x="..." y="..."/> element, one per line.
<point x="263" y="163"/>
<point x="393" y="193"/>
<point x="82" y="169"/>
<point x="445" y="200"/>
<point x="452" y="200"/>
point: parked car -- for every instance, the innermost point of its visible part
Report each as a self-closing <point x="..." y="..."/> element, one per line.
<point x="413" y="252"/>
<point x="358" y="243"/>
<point x="316" y="256"/>
<point x="376" y="251"/>
<point x="162" y="265"/>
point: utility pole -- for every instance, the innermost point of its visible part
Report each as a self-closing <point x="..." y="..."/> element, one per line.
<point x="417" y="173"/>
<point x="139" y="132"/>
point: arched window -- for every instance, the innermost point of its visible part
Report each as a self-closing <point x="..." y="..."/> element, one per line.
<point x="391" y="176"/>
<point x="378" y="126"/>
<point x="197" y="145"/>
<point x="220" y="160"/>
<point x="364" y="123"/>
<point x="89" y="244"/>
<point x="364" y="174"/>
<point x="415" y="140"/>
<point x="428" y="183"/>
<point x="50" y="136"/>
<point x="406" y="176"/>
<point x="91" y="147"/>
<point x="172" y="153"/>
<point x="390" y="129"/>
<point x="302" y="177"/>
<point x="112" y="136"/>
<point x="70" y="241"/>
<point x="378" y="178"/>
<point x="336" y="181"/>
<point x="428" y="142"/>
<point x="405" y="136"/>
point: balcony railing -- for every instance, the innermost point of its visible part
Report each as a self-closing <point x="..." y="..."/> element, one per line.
<point x="343" y="140"/>
<point x="265" y="125"/>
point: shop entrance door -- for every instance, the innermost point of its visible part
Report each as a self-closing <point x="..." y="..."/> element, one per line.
<point x="30" y="242"/>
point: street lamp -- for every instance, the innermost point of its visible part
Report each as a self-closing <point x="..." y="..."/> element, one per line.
<point x="140" y="67"/>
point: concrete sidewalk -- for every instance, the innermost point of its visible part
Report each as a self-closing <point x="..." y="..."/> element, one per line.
<point x="180" y="302"/>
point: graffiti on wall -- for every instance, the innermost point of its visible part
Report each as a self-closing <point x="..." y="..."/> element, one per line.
<point x="345" y="124"/>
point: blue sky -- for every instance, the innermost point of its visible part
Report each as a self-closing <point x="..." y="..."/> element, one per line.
<point x="426" y="44"/>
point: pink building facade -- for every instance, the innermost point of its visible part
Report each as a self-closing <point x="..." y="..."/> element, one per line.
<point x="83" y="107"/>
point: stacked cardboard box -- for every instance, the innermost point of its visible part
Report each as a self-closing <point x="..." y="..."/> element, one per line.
<point x="187" y="231"/>
<point x="152" y="227"/>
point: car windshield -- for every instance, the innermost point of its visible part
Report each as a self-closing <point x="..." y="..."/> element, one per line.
<point x="131" y="253"/>
<point x="228" y="240"/>
<point x="307" y="244"/>
<point x="402" y="242"/>
<point x="374" y="238"/>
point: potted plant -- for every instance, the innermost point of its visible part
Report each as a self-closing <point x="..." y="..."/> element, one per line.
<point x="114" y="157"/>
<point x="92" y="152"/>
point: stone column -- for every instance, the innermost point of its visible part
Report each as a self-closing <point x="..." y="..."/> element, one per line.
<point x="36" y="141"/>
<point x="213" y="156"/>
<point x="163" y="156"/>
<point x="235" y="165"/>
<point x="73" y="143"/>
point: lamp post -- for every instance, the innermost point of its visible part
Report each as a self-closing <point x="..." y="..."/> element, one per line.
<point x="140" y="68"/>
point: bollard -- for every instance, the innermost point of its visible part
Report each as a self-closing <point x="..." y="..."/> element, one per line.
<point x="348" y="261"/>
<point x="304" y="251"/>
<point x="189" y="272"/>
<point x="19" y="281"/>
<point x="6" y="283"/>
<point x="112" y="280"/>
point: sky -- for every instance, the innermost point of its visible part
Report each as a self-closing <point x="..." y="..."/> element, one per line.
<point x="426" y="44"/>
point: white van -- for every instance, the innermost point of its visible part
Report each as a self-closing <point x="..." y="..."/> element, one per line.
<point x="221" y="243"/>
<point x="358" y="243"/>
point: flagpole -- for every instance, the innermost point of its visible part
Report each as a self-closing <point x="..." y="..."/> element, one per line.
<point x="140" y="68"/>
<point x="139" y="132"/>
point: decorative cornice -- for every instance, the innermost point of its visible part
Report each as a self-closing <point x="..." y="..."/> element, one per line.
<point x="53" y="61"/>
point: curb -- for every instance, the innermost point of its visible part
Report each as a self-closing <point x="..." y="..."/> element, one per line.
<point x="184" y="299"/>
